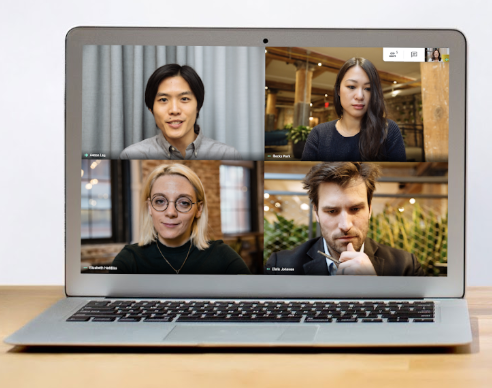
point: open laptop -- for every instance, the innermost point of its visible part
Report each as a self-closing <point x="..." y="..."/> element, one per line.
<point x="251" y="91"/>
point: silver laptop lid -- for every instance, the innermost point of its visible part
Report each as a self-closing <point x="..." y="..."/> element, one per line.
<point x="80" y="43"/>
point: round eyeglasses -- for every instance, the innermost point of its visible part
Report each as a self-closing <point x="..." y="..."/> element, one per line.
<point x="182" y="205"/>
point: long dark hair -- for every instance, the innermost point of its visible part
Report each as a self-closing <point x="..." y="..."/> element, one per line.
<point x="373" y="126"/>
<point x="173" y="70"/>
<point x="432" y="58"/>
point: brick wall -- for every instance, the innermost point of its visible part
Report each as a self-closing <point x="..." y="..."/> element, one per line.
<point x="99" y="254"/>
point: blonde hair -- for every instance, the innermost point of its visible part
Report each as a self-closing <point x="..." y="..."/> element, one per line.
<point x="148" y="234"/>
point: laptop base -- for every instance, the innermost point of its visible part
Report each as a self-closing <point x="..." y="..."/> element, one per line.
<point x="451" y="327"/>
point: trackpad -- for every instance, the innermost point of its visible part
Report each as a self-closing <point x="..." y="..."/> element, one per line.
<point x="239" y="334"/>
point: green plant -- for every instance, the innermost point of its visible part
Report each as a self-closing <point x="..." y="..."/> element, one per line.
<point x="283" y="234"/>
<point x="423" y="234"/>
<point x="299" y="133"/>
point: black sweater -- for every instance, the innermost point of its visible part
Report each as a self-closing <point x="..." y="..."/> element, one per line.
<point x="217" y="259"/>
<point x="325" y="143"/>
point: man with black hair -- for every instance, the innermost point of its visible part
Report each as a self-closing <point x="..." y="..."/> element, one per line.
<point x="175" y="95"/>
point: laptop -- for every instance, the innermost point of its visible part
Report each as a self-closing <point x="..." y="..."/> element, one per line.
<point x="269" y="92"/>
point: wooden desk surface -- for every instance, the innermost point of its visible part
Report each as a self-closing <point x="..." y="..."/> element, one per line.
<point x="95" y="367"/>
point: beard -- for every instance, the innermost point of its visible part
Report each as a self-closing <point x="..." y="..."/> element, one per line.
<point x="341" y="246"/>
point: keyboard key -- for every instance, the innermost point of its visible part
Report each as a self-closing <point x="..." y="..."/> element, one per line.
<point x="97" y="304"/>
<point x="163" y="319"/>
<point x="318" y="320"/>
<point x="103" y="319"/>
<point x="129" y="319"/>
<point x="347" y="320"/>
<point x="78" y="319"/>
<point x="425" y="315"/>
<point x="98" y="310"/>
<point x="99" y="315"/>
<point x="397" y="319"/>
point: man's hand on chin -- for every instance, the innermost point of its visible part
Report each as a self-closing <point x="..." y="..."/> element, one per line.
<point x="355" y="263"/>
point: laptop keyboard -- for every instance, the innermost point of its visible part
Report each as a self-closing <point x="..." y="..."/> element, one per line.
<point x="255" y="311"/>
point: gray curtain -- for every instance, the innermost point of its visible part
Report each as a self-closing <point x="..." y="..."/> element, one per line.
<point x="114" y="80"/>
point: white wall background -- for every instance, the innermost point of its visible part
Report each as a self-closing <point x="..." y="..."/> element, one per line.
<point x="32" y="37"/>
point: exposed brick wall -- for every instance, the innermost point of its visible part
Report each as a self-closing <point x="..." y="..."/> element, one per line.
<point x="208" y="172"/>
<point x="99" y="254"/>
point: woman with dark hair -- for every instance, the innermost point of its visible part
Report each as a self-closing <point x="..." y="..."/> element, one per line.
<point x="362" y="132"/>
<point x="436" y="56"/>
<point x="174" y="95"/>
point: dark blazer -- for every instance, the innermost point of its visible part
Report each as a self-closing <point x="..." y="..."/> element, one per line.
<point x="305" y="260"/>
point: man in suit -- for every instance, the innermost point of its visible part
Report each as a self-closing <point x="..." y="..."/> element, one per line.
<point x="341" y="193"/>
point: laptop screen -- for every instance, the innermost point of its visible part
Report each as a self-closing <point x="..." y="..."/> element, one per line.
<point x="215" y="160"/>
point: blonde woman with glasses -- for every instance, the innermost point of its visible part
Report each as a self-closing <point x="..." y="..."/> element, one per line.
<point x="173" y="235"/>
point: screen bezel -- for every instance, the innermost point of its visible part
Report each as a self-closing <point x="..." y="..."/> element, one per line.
<point x="265" y="286"/>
